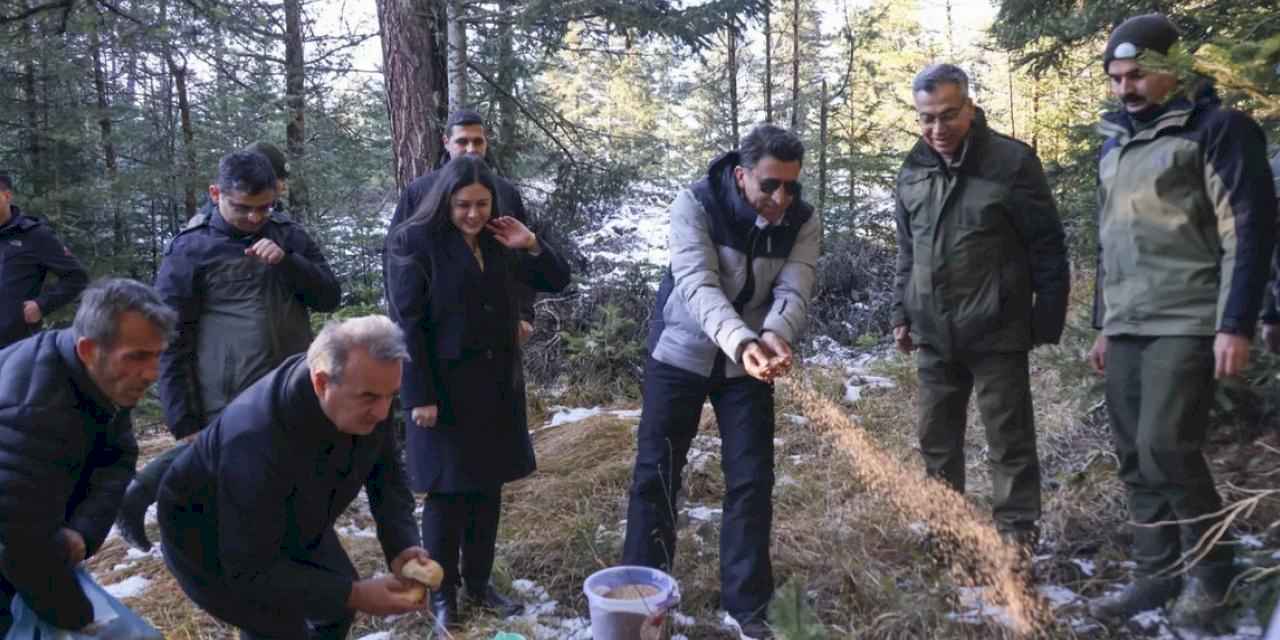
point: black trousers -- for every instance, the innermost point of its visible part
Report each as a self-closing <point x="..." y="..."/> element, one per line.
<point x="466" y="525"/>
<point x="256" y="620"/>
<point x="669" y="418"/>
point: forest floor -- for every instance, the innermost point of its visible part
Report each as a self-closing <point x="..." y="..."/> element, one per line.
<point x="860" y="557"/>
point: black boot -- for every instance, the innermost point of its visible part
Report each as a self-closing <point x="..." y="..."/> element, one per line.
<point x="444" y="608"/>
<point x="133" y="513"/>
<point x="489" y="598"/>
<point x="1203" y="602"/>
<point x="1144" y="594"/>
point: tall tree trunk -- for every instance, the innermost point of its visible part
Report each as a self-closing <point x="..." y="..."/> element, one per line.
<point x="795" y="65"/>
<point x="768" y="61"/>
<point x="822" y="149"/>
<point x="104" y="128"/>
<point x="409" y="57"/>
<point x="179" y="73"/>
<point x="733" y="80"/>
<point x="295" y="89"/>
<point x="35" y="159"/>
<point x="1013" y="121"/>
<point x="457" y="56"/>
<point x="1035" y="111"/>
<point x="507" y="89"/>
<point x="104" y="104"/>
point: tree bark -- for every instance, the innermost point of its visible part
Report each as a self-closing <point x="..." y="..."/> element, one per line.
<point x="457" y="35"/>
<point x="104" y="127"/>
<point x="795" y="64"/>
<point x="35" y="160"/>
<point x="768" y="61"/>
<point x="822" y="149"/>
<point x="733" y="80"/>
<point x="409" y="60"/>
<point x="179" y="73"/>
<point x="295" y="89"/>
<point x="506" y="147"/>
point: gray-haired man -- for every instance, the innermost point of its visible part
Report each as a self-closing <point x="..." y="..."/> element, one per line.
<point x="982" y="278"/>
<point x="66" y="442"/>
<point x="247" y="512"/>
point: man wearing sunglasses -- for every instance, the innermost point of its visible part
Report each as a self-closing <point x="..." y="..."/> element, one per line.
<point x="982" y="278"/>
<point x="744" y="249"/>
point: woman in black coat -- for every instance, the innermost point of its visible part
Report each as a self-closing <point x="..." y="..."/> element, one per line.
<point x="452" y="272"/>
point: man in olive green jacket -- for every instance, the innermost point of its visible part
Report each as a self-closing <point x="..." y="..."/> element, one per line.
<point x="982" y="278"/>
<point x="1186" y="227"/>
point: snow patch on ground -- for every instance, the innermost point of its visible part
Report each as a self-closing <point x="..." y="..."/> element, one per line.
<point x="381" y="635"/>
<point x="130" y="587"/>
<point x="1087" y="567"/>
<point x="829" y="353"/>
<point x="570" y="415"/>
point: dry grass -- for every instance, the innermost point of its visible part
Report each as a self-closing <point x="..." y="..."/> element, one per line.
<point x="841" y="527"/>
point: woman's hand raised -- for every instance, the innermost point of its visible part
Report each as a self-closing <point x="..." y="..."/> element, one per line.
<point x="512" y="233"/>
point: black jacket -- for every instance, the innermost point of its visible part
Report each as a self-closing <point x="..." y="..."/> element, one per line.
<point x="460" y="323"/>
<point x="28" y="252"/>
<point x="238" y="318"/>
<point x="509" y="204"/>
<point x="267" y="480"/>
<point x="66" y="455"/>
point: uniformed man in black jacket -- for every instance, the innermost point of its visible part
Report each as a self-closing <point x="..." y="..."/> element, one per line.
<point x="28" y="252"/>
<point x="247" y="511"/>
<point x="243" y="278"/>
<point x="66" y="443"/>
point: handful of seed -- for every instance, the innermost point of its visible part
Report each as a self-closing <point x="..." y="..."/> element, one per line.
<point x="630" y="592"/>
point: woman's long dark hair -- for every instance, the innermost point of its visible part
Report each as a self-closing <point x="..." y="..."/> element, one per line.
<point x="459" y="172"/>
<point x="434" y="209"/>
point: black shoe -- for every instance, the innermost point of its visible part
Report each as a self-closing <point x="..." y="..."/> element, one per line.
<point x="1143" y="595"/>
<point x="1202" y="604"/>
<point x="490" y="599"/>
<point x="132" y="520"/>
<point x="444" y="610"/>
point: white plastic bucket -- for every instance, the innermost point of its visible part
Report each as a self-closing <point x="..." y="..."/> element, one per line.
<point x="617" y="619"/>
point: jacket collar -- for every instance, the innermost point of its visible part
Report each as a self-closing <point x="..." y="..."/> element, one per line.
<point x="1175" y="114"/>
<point x="923" y="156"/>
<point x="97" y="402"/>
<point x="718" y="191"/>
<point x="303" y="406"/>
<point x="18" y="222"/>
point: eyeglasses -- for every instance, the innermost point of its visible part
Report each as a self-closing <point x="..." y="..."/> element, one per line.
<point x="769" y="185"/>
<point x="947" y="117"/>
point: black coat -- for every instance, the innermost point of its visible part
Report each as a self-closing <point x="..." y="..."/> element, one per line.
<point x="66" y="455"/>
<point x="461" y="325"/>
<point x="263" y="484"/>
<point x="237" y="318"/>
<point x="29" y="251"/>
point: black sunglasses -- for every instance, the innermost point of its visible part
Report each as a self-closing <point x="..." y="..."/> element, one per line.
<point x="769" y="185"/>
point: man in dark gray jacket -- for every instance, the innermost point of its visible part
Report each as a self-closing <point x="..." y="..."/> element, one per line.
<point x="243" y="279"/>
<point x="247" y="511"/>
<point x="982" y="278"/>
<point x="744" y="249"/>
<point x="66" y="443"/>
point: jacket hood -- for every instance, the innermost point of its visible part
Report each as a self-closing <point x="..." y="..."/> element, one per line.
<point x="718" y="191"/>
